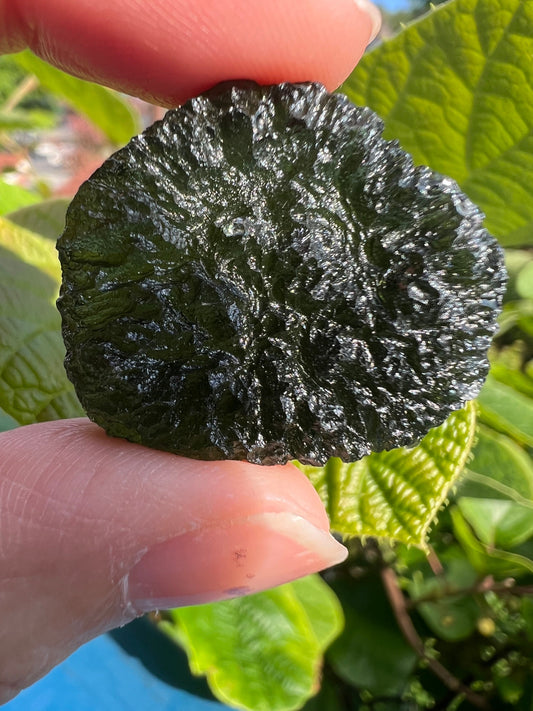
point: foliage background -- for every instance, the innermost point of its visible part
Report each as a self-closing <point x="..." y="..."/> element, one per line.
<point x="434" y="606"/>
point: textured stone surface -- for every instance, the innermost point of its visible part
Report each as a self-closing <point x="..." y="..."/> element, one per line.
<point x="261" y="276"/>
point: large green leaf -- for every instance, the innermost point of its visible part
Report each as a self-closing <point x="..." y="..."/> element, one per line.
<point x="46" y="218"/>
<point x="33" y="382"/>
<point x="12" y="197"/>
<point x="396" y="494"/>
<point x="487" y="559"/>
<point x="507" y="410"/>
<point x="498" y="523"/>
<point x="34" y="251"/>
<point x="105" y="108"/>
<point x="499" y="469"/>
<point x="456" y="88"/>
<point x="263" y="652"/>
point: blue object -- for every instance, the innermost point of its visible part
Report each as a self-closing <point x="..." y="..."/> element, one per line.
<point x="110" y="674"/>
<point x="394" y="5"/>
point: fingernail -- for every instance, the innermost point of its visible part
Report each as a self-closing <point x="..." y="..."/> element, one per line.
<point x="232" y="559"/>
<point x="374" y="14"/>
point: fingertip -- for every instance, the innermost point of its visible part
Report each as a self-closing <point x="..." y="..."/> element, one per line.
<point x="372" y="12"/>
<point x="177" y="48"/>
<point x="12" y="31"/>
<point x="242" y="557"/>
<point x="81" y="510"/>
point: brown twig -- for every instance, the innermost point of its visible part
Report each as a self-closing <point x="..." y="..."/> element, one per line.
<point x="26" y="86"/>
<point x="399" y="607"/>
<point x="434" y="562"/>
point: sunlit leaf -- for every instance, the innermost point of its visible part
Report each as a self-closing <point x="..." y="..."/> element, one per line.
<point x="46" y="218"/>
<point x="13" y="197"/>
<point x="105" y="108"/>
<point x="33" y="382"/>
<point x="524" y="281"/>
<point x="264" y="652"/>
<point x="456" y="88"/>
<point x="396" y="494"/>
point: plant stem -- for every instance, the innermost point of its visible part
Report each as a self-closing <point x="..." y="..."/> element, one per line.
<point x="26" y="86"/>
<point x="399" y="607"/>
<point x="434" y="562"/>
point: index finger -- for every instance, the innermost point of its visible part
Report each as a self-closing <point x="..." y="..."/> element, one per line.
<point x="166" y="51"/>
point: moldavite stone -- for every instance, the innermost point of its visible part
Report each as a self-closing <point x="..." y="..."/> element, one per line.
<point x="261" y="276"/>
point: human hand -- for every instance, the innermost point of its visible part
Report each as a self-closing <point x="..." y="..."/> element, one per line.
<point x="94" y="530"/>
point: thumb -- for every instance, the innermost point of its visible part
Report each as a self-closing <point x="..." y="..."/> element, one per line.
<point x="94" y="531"/>
<point x="169" y="50"/>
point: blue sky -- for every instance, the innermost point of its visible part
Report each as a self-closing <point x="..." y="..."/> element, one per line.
<point x="393" y="5"/>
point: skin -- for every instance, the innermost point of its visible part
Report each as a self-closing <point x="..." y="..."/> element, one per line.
<point x="93" y="530"/>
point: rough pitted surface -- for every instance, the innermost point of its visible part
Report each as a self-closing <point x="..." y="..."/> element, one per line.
<point x="261" y="276"/>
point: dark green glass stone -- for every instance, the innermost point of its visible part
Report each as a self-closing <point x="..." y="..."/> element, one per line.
<point x="261" y="276"/>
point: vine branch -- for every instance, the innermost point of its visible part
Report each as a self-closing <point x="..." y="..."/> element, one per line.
<point x="399" y="607"/>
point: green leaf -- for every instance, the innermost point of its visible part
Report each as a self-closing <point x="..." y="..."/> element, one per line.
<point x="517" y="314"/>
<point x="524" y="282"/>
<point x="371" y="653"/>
<point x="507" y="410"/>
<point x="499" y="469"/>
<point x="396" y="494"/>
<point x="33" y="383"/>
<point x="510" y="689"/>
<point x="516" y="379"/>
<point x="262" y="652"/>
<point x="105" y="108"/>
<point x="46" y="218"/>
<point x="453" y="618"/>
<point x="6" y="422"/>
<point x="12" y="197"/>
<point x="34" y="251"/>
<point x="26" y="120"/>
<point x="488" y="561"/>
<point x="456" y="88"/>
<point x="516" y="260"/>
<point x="498" y="523"/>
